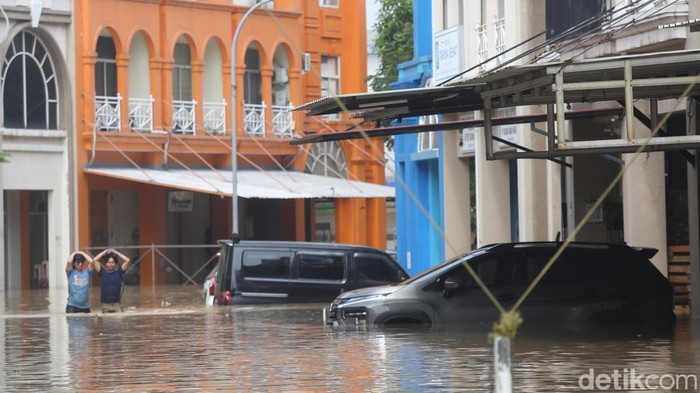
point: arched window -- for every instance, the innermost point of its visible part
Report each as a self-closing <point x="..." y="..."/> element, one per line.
<point x="29" y="89"/>
<point x="327" y="159"/>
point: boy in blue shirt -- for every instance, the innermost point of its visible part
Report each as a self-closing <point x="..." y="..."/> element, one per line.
<point x="111" y="278"/>
<point x="78" y="270"/>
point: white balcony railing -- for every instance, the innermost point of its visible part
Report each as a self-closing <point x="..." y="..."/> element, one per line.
<point x="282" y="121"/>
<point x="183" y="116"/>
<point x="108" y="113"/>
<point x="499" y="26"/>
<point x="482" y="45"/>
<point x="215" y="117"/>
<point x="254" y="119"/>
<point x="141" y="114"/>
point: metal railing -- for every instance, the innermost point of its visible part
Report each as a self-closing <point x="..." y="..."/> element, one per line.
<point x="499" y="26"/>
<point x="254" y="119"/>
<point x="482" y="46"/>
<point x="183" y="116"/>
<point x="141" y="114"/>
<point x="282" y="121"/>
<point x="157" y="255"/>
<point x="108" y="113"/>
<point x="215" y="117"/>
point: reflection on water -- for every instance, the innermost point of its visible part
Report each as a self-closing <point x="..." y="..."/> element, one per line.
<point x="167" y="341"/>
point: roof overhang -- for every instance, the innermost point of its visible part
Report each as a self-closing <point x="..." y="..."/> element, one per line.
<point x="251" y="183"/>
<point x="553" y="85"/>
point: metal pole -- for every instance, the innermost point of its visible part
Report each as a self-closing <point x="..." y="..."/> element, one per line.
<point x="234" y="128"/>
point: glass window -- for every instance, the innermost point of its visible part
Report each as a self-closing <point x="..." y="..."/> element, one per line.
<point x="182" y="73"/>
<point x="29" y="90"/>
<point x="321" y="266"/>
<point x="329" y="3"/>
<point x="330" y="80"/>
<point x="265" y="264"/>
<point x="106" y="68"/>
<point x="252" y="80"/>
<point x="376" y="270"/>
<point x="327" y="159"/>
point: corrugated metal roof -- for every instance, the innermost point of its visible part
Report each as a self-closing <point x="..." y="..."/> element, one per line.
<point x="251" y="184"/>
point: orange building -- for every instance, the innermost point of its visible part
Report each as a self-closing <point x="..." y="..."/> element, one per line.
<point x="154" y="111"/>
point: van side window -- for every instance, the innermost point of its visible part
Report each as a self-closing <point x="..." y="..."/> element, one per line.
<point x="265" y="264"/>
<point x="321" y="266"/>
<point x="375" y="269"/>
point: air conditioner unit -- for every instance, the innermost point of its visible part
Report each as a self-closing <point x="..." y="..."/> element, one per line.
<point x="305" y="62"/>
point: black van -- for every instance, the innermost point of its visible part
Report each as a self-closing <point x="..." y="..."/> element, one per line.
<point x="286" y="272"/>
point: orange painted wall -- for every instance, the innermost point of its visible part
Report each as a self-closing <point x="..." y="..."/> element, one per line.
<point x="297" y="26"/>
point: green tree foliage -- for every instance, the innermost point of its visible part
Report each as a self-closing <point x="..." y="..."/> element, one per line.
<point x="3" y="157"/>
<point x="394" y="42"/>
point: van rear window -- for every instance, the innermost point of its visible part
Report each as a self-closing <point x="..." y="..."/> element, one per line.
<point x="265" y="264"/>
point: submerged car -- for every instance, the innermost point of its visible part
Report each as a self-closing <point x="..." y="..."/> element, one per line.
<point x="209" y="287"/>
<point x="590" y="283"/>
<point x="295" y="272"/>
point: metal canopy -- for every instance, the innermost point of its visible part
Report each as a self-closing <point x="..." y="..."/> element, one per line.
<point x="251" y="183"/>
<point x="653" y="77"/>
<point x="399" y="103"/>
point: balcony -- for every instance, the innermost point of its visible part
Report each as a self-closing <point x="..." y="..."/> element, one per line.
<point x="183" y="117"/>
<point x="282" y="121"/>
<point x="482" y="45"/>
<point x="108" y="113"/>
<point x="141" y="114"/>
<point x="254" y="119"/>
<point x="215" y="117"/>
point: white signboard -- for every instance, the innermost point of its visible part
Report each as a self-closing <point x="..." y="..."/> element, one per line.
<point x="180" y="201"/>
<point x="448" y="60"/>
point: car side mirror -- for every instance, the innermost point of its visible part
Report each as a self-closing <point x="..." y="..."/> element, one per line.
<point x="450" y="285"/>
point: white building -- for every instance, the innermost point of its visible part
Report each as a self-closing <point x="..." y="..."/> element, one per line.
<point x="36" y="118"/>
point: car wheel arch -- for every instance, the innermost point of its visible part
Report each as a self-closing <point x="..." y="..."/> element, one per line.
<point x="404" y="317"/>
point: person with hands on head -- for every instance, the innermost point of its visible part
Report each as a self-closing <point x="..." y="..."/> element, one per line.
<point x="110" y="266"/>
<point x="78" y="269"/>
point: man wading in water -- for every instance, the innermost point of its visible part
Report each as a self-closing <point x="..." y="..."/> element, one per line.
<point x="111" y="278"/>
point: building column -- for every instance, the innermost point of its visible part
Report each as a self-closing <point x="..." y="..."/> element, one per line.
<point x="536" y="190"/>
<point x="165" y="100"/>
<point x="152" y="206"/>
<point x="266" y="79"/>
<point x="123" y="89"/>
<point x="456" y="198"/>
<point x="694" y="212"/>
<point x="198" y="95"/>
<point x="492" y="197"/>
<point x="644" y="200"/>
<point x="13" y="243"/>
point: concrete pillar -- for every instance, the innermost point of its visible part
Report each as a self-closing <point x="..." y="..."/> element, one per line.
<point x="694" y="213"/>
<point x="492" y="198"/>
<point x="644" y="201"/>
<point x="456" y="197"/>
<point x="693" y="42"/>
<point x="13" y="244"/>
<point x="535" y="188"/>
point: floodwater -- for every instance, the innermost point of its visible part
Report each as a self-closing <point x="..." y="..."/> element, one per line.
<point x="167" y="341"/>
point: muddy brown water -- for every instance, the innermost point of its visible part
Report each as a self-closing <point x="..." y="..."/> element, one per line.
<point x="167" y="341"/>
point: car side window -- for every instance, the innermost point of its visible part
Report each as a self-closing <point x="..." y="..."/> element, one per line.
<point x="265" y="264"/>
<point x="321" y="266"/>
<point x="374" y="269"/>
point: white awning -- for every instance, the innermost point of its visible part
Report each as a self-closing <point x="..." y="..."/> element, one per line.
<point x="251" y="183"/>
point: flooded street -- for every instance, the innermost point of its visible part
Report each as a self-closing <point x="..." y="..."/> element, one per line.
<point x="167" y="341"/>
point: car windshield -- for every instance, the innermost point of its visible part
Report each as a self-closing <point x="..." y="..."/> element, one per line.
<point x="425" y="273"/>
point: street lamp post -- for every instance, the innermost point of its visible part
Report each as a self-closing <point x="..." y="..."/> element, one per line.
<point x="234" y="129"/>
